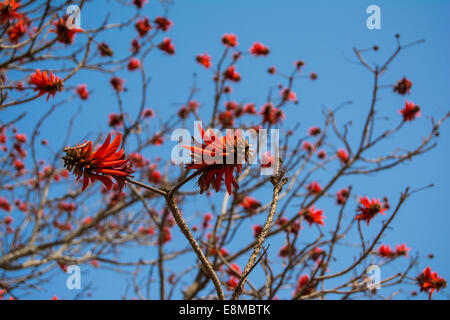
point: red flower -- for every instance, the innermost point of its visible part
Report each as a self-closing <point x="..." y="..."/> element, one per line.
<point x="140" y="3"/>
<point x="117" y="83"/>
<point x="301" y="283"/>
<point x="143" y="26"/>
<point x="288" y="95"/>
<point x="82" y="91"/>
<point x="8" y="10"/>
<point x="385" y="251"/>
<point x="308" y="146"/>
<point x="403" y="86"/>
<point x="287" y="250"/>
<point x="430" y="281"/>
<point x="401" y="250"/>
<point x="410" y="111"/>
<point x="233" y="269"/>
<point x="226" y="118"/>
<point x="46" y="83"/>
<point x="204" y="59"/>
<point x="105" y="50"/>
<point x="167" y="46"/>
<point x="369" y="209"/>
<point x="17" y="31"/>
<point x="272" y="70"/>
<point x="147" y="113"/>
<point x="313" y="76"/>
<point x="232" y="283"/>
<point x="316" y="253"/>
<point x="311" y="215"/>
<point x="271" y="114"/>
<point x="314" y="131"/>
<point x="163" y="23"/>
<point x="322" y="154"/>
<point x="314" y="187"/>
<point x="213" y="168"/>
<point x="115" y="120"/>
<point x="342" y="155"/>
<point x="21" y="137"/>
<point x="250" y="204"/>
<point x="135" y="46"/>
<point x="258" y="49"/>
<point x="231" y="74"/>
<point x="134" y="64"/>
<point x="64" y="34"/>
<point x="100" y="165"/>
<point x="229" y="40"/>
<point x="342" y="196"/>
<point x="257" y="229"/>
<point x="249" y="108"/>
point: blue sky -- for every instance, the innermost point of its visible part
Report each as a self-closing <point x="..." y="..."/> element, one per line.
<point x="322" y="33"/>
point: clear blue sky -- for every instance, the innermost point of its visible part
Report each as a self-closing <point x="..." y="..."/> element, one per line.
<point x="322" y="33"/>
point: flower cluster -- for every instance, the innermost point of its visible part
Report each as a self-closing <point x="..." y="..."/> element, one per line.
<point x="100" y="165"/>
<point x="211" y="158"/>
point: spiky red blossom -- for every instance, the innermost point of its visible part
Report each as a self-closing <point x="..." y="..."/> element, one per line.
<point x="45" y="83"/>
<point x="342" y="196"/>
<point x="115" y="120"/>
<point x="64" y="34"/>
<point x="105" y="50"/>
<point x="287" y="250"/>
<point x="313" y="76"/>
<point x="133" y="64"/>
<point x="403" y="86"/>
<point x="271" y="114"/>
<point x="249" y="108"/>
<point x="401" y="250"/>
<point x="430" y="281"/>
<point x="369" y="209"/>
<point x="229" y="40"/>
<point x="314" y="131"/>
<point x="4" y="204"/>
<point x="410" y="111"/>
<point x="385" y="251"/>
<point x="140" y="3"/>
<point x="322" y="154"/>
<point x="8" y="11"/>
<point x="143" y="26"/>
<point x="231" y="147"/>
<point x="102" y="165"/>
<point x="117" y="83"/>
<point x="316" y="253"/>
<point x="311" y="215"/>
<point x="147" y="113"/>
<point x="272" y="70"/>
<point x="257" y="229"/>
<point x="308" y="147"/>
<point x="288" y="95"/>
<point x="301" y="283"/>
<point x="232" y="283"/>
<point x="342" y="155"/>
<point x="233" y="269"/>
<point x="314" y="187"/>
<point x="258" y="49"/>
<point x="167" y="46"/>
<point x="232" y="74"/>
<point x="204" y="59"/>
<point x="17" y="31"/>
<point x="163" y="23"/>
<point x="82" y="91"/>
<point x="226" y="119"/>
<point x="250" y="204"/>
